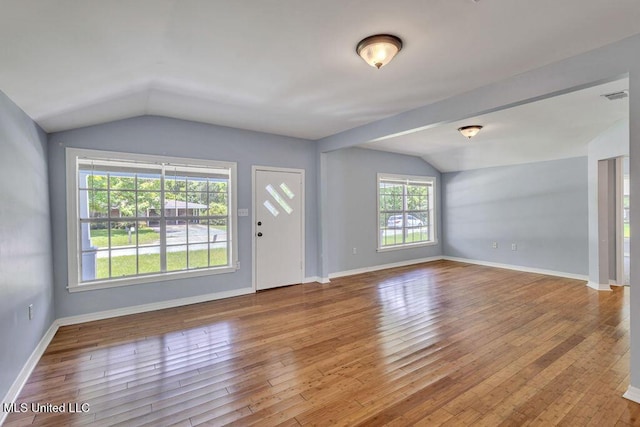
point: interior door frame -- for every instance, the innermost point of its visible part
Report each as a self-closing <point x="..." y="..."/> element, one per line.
<point x="254" y="253"/>
<point x="619" y="198"/>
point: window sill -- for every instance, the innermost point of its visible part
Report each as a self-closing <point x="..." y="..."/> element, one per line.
<point x="152" y="278"/>
<point x="406" y="246"/>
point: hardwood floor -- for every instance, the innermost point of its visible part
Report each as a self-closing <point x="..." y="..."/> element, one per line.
<point x="441" y="343"/>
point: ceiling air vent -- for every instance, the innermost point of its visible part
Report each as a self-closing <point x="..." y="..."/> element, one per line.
<point x="616" y="95"/>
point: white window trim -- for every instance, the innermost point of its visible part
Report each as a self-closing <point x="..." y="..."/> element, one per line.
<point x="433" y="214"/>
<point x="73" y="250"/>
<point x="406" y="246"/>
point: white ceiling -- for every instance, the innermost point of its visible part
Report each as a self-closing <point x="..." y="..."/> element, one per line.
<point x="283" y="66"/>
<point x="553" y="128"/>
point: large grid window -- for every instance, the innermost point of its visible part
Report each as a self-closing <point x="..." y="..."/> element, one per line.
<point x="139" y="218"/>
<point x="406" y="211"/>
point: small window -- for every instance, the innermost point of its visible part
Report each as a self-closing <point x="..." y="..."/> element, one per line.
<point x="406" y="211"/>
<point x="136" y="218"/>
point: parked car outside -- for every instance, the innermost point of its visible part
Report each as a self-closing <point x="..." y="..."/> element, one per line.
<point x="396" y="221"/>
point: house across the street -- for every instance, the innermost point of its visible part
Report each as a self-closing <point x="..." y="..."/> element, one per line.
<point x="176" y="208"/>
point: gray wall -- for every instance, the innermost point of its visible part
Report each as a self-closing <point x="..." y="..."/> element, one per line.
<point x="351" y="207"/>
<point x="600" y="65"/>
<point x="542" y="207"/>
<point x="25" y="242"/>
<point x="172" y="137"/>
<point x="603" y="64"/>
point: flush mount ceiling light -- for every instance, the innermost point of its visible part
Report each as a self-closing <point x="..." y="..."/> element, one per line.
<point x="379" y="50"/>
<point x="470" y="131"/>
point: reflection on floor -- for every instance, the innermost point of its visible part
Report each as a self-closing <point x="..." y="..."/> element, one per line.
<point x="431" y="344"/>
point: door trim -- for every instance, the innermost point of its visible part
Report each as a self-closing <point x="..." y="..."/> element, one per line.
<point x="254" y="169"/>
<point x="619" y="198"/>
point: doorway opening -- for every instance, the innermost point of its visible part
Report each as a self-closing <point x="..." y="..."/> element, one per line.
<point x="624" y="228"/>
<point x="613" y="220"/>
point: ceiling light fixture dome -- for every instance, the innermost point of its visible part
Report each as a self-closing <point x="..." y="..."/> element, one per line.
<point x="470" y="131"/>
<point x="379" y="50"/>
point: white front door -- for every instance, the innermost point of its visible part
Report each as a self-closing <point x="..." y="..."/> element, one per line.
<point x="279" y="201"/>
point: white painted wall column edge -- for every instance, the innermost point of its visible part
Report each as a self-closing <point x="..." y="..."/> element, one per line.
<point x="634" y="199"/>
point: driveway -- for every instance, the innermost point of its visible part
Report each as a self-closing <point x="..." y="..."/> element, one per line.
<point x="176" y="235"/>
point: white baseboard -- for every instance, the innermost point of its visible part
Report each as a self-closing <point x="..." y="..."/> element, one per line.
<point x="520" y="268"/>
<point x="615" y="283"/>
<point x="125" y="311"/>
<point x="27" y="369"/>
<point x="383" y="267"/>
<point x="633" y="394"/>
<point x="599" y="286"/>
<point x="31" y="363"/>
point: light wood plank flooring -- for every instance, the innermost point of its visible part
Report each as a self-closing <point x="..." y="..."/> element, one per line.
<point x="441" y="343"/>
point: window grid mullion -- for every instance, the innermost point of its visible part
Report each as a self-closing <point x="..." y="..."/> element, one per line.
<point x="163" y="224"/>
<point x="137" y="227"/>
<point x="405" y="217"/>
<point x="116" y="243"/>
<point x="186" y="211"/>
<point x="109" y="223"/>
<point x="79" y="235"/>
<point x="208" y="226"/>
<point x="228" y="221"/>
<point x="418" y="201"/>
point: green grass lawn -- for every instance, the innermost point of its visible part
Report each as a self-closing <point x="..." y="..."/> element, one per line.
<point x="412" y="237"/>
<point x="150" y="263"/>
<point x="627" y="231"/>
<point x="100" y="238"/>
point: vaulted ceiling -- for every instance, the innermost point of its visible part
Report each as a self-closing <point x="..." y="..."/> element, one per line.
<point x="285" y="66"/>
<point x="554" y="128"/>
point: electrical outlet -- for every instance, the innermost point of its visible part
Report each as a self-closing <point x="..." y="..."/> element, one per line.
<point x="355" y="251"/>
<point x="514" y="247"/>
<point x="30" y="311"/>
<point x="494" y="245"/>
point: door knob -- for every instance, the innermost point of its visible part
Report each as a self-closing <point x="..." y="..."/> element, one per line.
<point x="259" y="234"/>
<point x="259" y="222"/>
